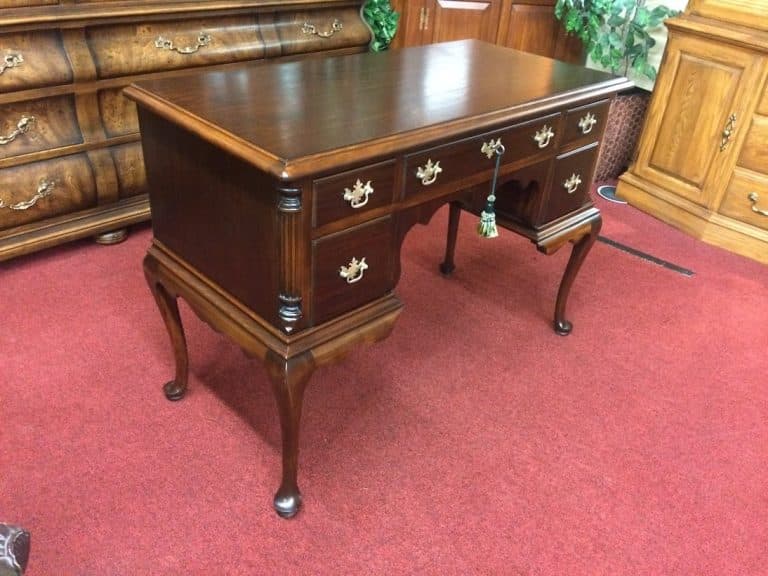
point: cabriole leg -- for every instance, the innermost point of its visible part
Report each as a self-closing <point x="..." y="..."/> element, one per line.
<point x="169" y="309"/>
<point x="578" y="253"/>
<point x="289" y="379"/>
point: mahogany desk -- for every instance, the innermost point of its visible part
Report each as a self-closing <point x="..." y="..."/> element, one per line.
<point x="281" y="193"/>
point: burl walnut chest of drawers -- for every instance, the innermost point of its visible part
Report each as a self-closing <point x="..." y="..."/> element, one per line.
<point x="70" y="158"/>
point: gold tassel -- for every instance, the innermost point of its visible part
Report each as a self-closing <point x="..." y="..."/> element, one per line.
<point x="487" y="226"/>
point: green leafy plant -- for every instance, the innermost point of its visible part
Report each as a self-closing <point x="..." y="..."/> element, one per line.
<point x="615" y="33"/>
<point x="383" y="20"/>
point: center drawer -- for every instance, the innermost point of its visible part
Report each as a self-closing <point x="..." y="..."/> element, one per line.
<point x="352" y="267"/>
<point x="125" y="49"/>
<point x="450" y="163"/>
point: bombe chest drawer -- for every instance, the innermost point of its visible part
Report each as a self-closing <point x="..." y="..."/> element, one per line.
<point x="71" y="163"/>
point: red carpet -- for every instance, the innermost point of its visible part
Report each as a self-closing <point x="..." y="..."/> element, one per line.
<point x="472" y="441"/>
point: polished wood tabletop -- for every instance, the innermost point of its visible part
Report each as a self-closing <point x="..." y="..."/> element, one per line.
<point x="284" y="117"/>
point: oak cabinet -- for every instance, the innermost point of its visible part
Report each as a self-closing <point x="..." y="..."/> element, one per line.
<point x="528" y="25"/>
<point x="701" y="163"/>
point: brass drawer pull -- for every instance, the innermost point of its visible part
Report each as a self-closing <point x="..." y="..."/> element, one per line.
<point x="358" y="196"/>
<point x="544" y="136"/>
<point x="45" y="188"/>
<point x="11" y="60"/>
<point x="492" y="147"/>
<point x="354" y="271"/>
<point x="754" y="199"/>
<point x="309" y="28"/>
<point x="730" y="128"/>
<point x="586" y="123"/>
<point x="22" y="127"/>
<point x="428" y="173"/>
<point x="572" y="183"/>
<point x="165" y="44"/>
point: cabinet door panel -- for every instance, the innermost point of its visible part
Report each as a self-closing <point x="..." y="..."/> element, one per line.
<point x="533" y="28"/>
<point x="461" y="19"/>
<point x="690" y="111"/>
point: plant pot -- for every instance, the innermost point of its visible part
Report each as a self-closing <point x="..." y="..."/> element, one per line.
<point x="622" y="132"/>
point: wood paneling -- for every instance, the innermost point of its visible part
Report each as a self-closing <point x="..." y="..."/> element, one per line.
<point x="529" y="25"/>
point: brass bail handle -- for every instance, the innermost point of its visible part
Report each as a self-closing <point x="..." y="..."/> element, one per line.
<point x="203" y="40"/>
<point x="309" y="28"/>
<point x="730" y="128"/>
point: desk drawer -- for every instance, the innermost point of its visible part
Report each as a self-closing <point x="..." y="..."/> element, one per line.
<point x="354" y="192"/>
<point x="36" y="125"/>
<point x="127" y="49"/>
<point x="44" y="189"/>
<point x="339" y="284"/>
<point x="450" y="163"/>
<point x="572" y="179"/>
<point x="586" y="123"/>
<point x="33" y="59"/>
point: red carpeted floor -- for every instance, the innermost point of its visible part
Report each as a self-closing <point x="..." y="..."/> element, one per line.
<point x="472" y="441"/>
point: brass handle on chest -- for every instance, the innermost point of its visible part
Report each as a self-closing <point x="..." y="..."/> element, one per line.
<point x="353" y="272"/>
<point x="45" y="188"/>
<point x="22" y="127"/>
<point x="165" y="44"/>
<point x="730" y="128"/>
<point x="754" y="199"/>
<point x="358" y="195"/>
<point x="428" y="173"/>
<point x="572" y="184"/>
<point x="11" y="60"/>
<point x="586" y="123"/>
<point x="309" y="28"/>
<point x="544" y="136"/>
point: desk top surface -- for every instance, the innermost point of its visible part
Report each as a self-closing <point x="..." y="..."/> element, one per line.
<point x="292" y="118"/>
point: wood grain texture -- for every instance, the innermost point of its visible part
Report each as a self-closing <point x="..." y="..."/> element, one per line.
<point x="71" y="61"/>
<point x="306" y="123"/>
<point x="702" y="150"/>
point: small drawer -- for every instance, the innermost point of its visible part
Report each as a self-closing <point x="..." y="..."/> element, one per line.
<point x="129" y="163"/>
<point x="754" y="151"/>
<point x="36" y="125"/>
<point x="352" y="267"/>
<point x="33" y="59"/>
<point x="571" y="181"/>
<point x="299" y="32"/>
<point x="746" y="199"/>
<point x="127" y="49"/>
<point x="354" y="192"/>
<point x="586" y="123"/>
<point x="450" y="163"/>
<point x="44" y="189"/>
<point x="118" y="114"/>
